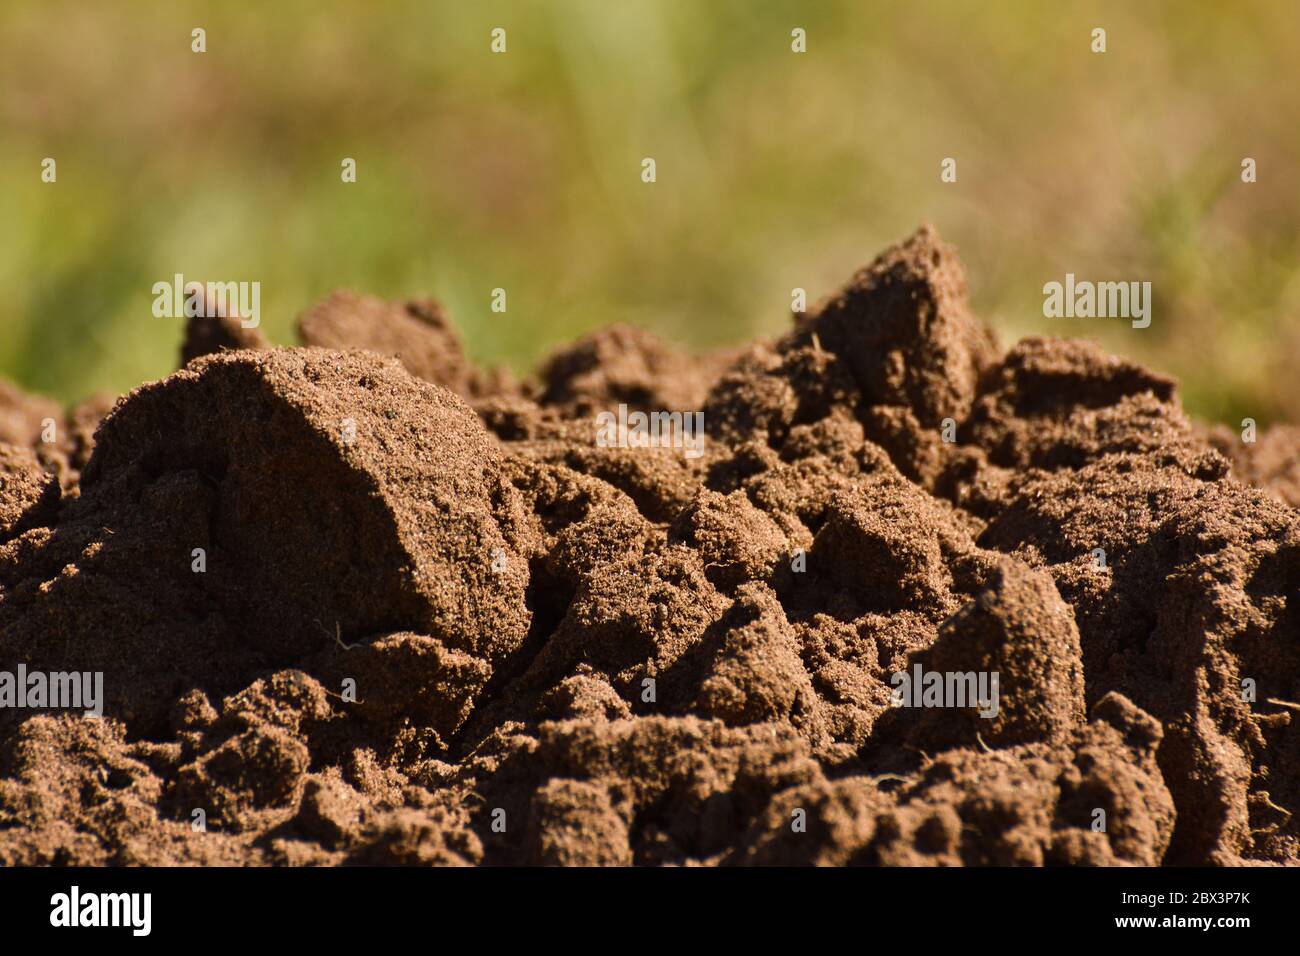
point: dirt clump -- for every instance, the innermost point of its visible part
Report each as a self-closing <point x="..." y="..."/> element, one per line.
<point x="29" y="495"/>
<point x="1270" y="461"/>
<point x="624" y="364"/>
<point x="206" y="334"/>
<point x="917" y="601"/>
<point x="418" y="333"/>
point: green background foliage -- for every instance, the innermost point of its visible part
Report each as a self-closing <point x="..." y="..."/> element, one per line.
<point x="775" y="170"/>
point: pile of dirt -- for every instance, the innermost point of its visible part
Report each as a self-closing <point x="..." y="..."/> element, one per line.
<point x="364" y="602"/>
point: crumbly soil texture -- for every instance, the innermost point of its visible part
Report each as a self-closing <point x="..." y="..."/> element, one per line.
<point x="365" y="602"/>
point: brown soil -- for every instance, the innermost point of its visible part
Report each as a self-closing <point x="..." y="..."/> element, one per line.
<point x="439" y="623"/>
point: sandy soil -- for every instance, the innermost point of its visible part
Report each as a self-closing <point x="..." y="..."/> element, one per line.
<point x="363" y="602"/>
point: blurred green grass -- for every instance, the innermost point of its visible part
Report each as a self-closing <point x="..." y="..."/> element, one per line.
<point x="775" y="170"/>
